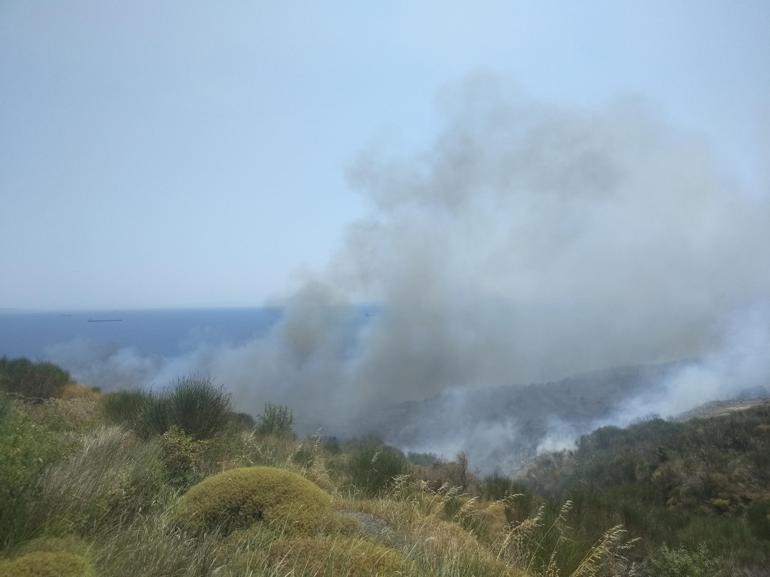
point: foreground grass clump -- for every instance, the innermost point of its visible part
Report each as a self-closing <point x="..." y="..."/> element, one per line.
<point x="241" y="497"/>
<point x="47" y="564"/>
<point x="111" y="478"/>
<point x="338" y="556"/>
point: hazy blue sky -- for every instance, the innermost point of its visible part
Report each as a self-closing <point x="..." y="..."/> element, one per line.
<point x="184" y="153"/>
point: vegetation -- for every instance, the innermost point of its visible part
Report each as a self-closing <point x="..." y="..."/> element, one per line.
<point x="125" y="408"/>
<point x="47" y="564"/>
<point x="106" y="484"/>
<point x="341" y="555"/>
<point x="27" y="447"/>
<point x="275" y="420"/>
<point x="36" y="381"/>
<point x="241" y="497"/>
<point x="373" y="467"/>
<point x="678" y="484"/>
<point x="193" y="405"/>
<point x="680" y="562"/>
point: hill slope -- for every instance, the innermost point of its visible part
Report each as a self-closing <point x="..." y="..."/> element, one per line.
<point x="504" y="427"/>
<point x="704" y="480"/>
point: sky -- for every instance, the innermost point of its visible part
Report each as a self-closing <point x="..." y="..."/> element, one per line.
<point x="196" y="154"/>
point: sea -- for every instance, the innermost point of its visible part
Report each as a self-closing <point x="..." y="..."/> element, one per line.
<point x="165" y="333"/>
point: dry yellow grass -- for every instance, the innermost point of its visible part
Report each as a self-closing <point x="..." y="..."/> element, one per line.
<point x="339" y="556"/>
<point x="78" y="391"/>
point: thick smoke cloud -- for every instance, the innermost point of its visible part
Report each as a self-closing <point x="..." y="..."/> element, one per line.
<point x="532" y="242"/>
<point x="527" y="243"/>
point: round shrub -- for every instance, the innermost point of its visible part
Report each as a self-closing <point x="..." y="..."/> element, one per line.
<point x="349" y="556"/>
<point x="47" y="564"/>
<point x="241" y="497"/>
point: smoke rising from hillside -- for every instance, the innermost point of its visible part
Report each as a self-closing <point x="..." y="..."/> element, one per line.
<point x="527" y="243"/>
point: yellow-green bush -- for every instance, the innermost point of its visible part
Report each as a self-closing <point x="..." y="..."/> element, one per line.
<point x="241" y="497"/>
<point x="47" y="564"/>
<point x="340" y="556"/>
<point x="68" y="544"/>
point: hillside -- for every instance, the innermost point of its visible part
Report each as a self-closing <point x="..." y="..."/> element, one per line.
<point x="174" y="483"/>
<point x="503" y="427"/>
<point x="705" y="480"/>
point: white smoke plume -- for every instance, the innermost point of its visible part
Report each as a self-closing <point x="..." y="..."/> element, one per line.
<point x="738" y="366"/>
<point x="527" y="243"/>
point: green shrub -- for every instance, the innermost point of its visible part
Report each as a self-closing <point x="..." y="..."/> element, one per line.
<point x="34" y="380"/>
<point x="47" y="564"/>
<point x="241" y="497"/>
<point x="758" y="517"/>
<point x="198" y="407"/>
<point x="681" y="562"/>
<point x="194" y="405"/>
<point x="157" y="416"/>
<point x="125" y="407"/>
<point x="182" y="457"/>
<point x="26" y="448"/>
<point x="373" y="468"/>
<point x="276" y="420"/>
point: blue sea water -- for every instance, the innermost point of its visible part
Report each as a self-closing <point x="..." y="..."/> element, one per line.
<point x="154" y="332"/>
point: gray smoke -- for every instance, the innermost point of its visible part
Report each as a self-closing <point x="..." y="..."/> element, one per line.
<point x="529" y="242"/>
